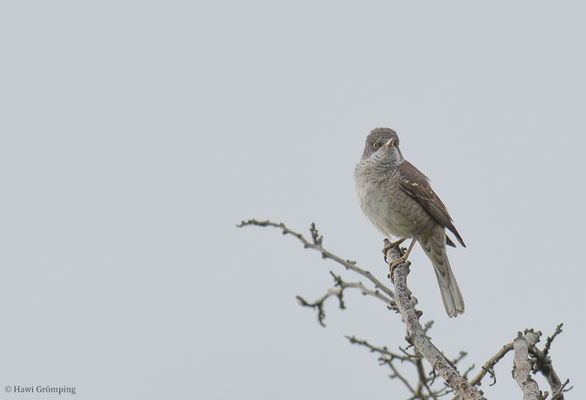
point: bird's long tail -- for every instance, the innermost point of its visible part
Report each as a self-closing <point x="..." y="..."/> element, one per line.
<point x="434" y="245"/>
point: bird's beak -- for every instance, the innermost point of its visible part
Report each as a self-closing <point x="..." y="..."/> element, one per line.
<point x="389" y="143"/>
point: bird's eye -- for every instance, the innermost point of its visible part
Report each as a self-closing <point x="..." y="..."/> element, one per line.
<point x="375" y="145"/>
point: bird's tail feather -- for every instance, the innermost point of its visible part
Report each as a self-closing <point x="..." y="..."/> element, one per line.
<point x="434" y="246"/>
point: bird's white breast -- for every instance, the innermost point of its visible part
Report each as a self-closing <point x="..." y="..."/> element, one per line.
<point x="379" y="204"/>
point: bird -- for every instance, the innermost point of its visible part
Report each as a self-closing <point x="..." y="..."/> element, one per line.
<point x="399" y="201"/>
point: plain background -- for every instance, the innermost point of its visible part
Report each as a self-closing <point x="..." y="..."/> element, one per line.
<point x="136" y="134"/>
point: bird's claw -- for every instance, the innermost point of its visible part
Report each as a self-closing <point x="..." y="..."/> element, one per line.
<point x="389" y="244"/>
<point x="394" y="264"/>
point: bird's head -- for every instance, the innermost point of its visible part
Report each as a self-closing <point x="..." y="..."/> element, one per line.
<point x="383" y="143"/>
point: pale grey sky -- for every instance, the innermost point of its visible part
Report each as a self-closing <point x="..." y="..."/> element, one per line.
<point x="135" y="135"/>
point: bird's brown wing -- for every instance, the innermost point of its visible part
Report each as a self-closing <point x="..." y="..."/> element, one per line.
<point x="415" y="184"/>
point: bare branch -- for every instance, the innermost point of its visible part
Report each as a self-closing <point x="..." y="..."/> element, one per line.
<point x="417" y="335"/>
<point x="522" y="369"/>
<point x="387" y="357"/>
<point x="559" y="394"/>
<point x="460" y="357"/>
<point x="316" y="244"/>
<point x="427" y="326"/>
<point x="543" y="364"/>
<point x="488" y="366"/>
<point x="397" y="374"/>
<point x="367" y="292"/>
<point x="338" y="291"/>
<point x="470" y="368"/>
<point x="548" y="342"/>
<point x="319" y="303"/>
<point x="528" y="357"/>
<point x="380" y="350"/>
<point x="423" y="380"/>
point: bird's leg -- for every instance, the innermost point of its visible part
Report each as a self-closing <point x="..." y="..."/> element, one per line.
<point x="391" y="244"/>
<point x="402" y="259"/>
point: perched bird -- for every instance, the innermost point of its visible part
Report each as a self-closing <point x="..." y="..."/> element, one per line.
<point x="399" y="201"/>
